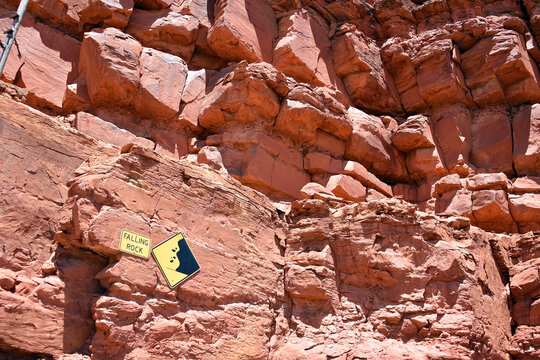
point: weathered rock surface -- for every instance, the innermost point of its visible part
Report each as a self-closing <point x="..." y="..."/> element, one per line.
<point x="375" y="151"/>
<point x="46" y="290"/>
<point x="215" y="119"/>
<point x="358" y="62"/>
<point x="48" y="61"/>
<point x="315" y="272"/>
<point x="243" y="30"/>
<point x="165" y="30"/>
<point x="525" y="287"/>
<point x="303" y="50"/>
<point x="332" y="276"/>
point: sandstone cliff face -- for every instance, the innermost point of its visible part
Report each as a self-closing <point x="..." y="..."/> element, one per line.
<point x="358" y="179"/>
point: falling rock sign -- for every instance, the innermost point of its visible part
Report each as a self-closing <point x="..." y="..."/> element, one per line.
<point x="175" y="259"/>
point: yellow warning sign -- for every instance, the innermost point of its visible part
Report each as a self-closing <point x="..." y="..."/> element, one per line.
<point x="175" y="259"/>
<point x="135" y="244"/>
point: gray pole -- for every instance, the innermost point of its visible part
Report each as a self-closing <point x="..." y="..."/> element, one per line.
<point x="10" y="39"/>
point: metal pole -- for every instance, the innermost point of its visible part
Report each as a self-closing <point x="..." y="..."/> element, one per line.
<point x="10" y="39"/>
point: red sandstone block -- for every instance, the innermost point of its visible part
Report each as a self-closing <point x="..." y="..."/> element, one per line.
<point x="346" y="187"/>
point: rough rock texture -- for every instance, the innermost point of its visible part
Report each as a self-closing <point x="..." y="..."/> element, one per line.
<point x="243" y="30"/>
<point x="375" y="275"/>
<point x="388" y="281"/>
<point x="46" y="290"/>
<point x="525" y="288"/>
<point x="358" y="179"/>
<point x="43" y="51"/>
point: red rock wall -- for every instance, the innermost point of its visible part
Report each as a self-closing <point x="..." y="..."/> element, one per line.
<point x="288" y="140"/>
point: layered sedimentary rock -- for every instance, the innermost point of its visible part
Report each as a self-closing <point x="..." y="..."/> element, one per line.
<point x="375" y="275"/>
<point x="345" y="172"/>
<point x="46" y="290"/>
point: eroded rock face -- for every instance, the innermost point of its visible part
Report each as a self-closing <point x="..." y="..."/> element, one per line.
<point x="143" y="299"/>
<point x="379" y="276"/>
<point x="46" y="290"/>
<point x="524" y="286"/>
<point x="243" y="30"/>
<point x="380" y="291"/>
<point x="43" y="51"/>
<point x="214" y="118"/>
<point x="303" y="51"/>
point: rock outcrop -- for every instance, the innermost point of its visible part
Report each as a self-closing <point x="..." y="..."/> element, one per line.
<point x="358" y="179"/>
<point x="376" y="275"/>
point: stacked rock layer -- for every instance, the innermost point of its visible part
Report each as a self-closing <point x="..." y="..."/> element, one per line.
<point x="358" y="179"/>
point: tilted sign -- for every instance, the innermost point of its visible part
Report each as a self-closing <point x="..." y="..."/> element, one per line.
<point x="175" y="259"/>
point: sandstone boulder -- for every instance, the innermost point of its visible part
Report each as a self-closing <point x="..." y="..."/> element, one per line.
<point x="243" y="30"/>
<point x="526" y="184"/>
<point x="103" y="13"/>
<point x="455" y="203"/>
<point x="447" y="183"/>
<point x="165" y="30"/>
<point x="307" y="58"/>
<point x="234" y="101"/>
<point x="358" y="62"/>
<point x="412" y="134"/>
<point x="440" y="79"/>
<point x="488" y="181"/>
<point x="490" y="210"/>
<point x="109" y="62"/>
<point x="161" y="84"/>
<point x="526" y="130"/>
<point x="370" y="145"/>
<point x="314" y="190"/>
<point x="525" y="208"/>
<point x="425" y="163"/>
<point x="314" y="118"/>
<point x="360" y="173"/>
<point x="347" y="188"/>
<point x="299" y="120"/>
